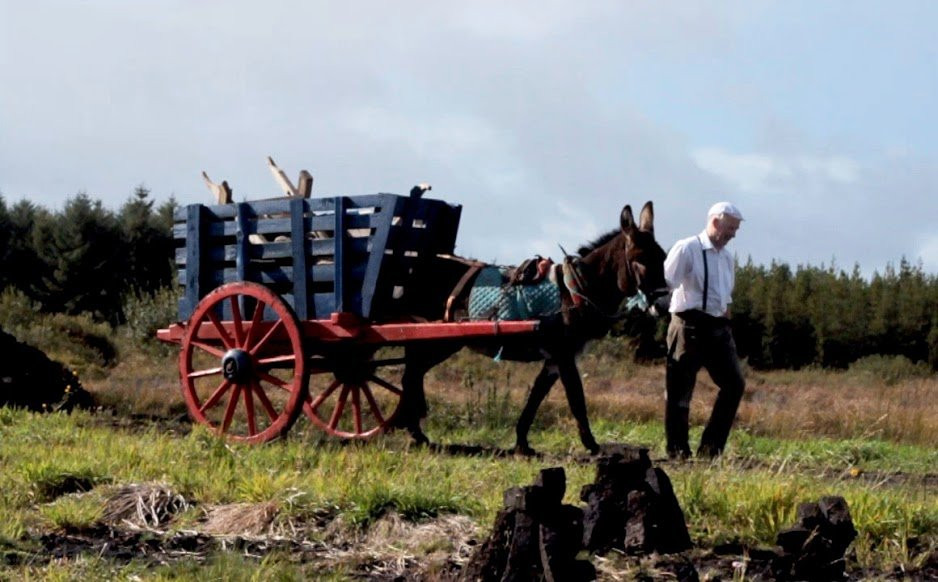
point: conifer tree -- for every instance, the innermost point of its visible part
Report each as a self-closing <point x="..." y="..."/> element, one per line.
<point x="19" y="256"/>
<point x="82" y="266"/>
<point x="147" y="246"/>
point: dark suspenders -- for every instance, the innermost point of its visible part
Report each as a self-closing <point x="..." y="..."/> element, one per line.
<point x="706" y="286"/>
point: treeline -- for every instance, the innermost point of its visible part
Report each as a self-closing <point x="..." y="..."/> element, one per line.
<point x="828" y="317"/>
<point x="86" y="258"/>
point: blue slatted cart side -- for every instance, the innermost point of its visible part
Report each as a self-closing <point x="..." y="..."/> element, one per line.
<point x="421" y="229"/>
<point x="355" y="254"/>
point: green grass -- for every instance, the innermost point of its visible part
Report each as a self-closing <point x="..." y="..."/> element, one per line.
<point x="748" y="496"/>
<point x="887" y="476"/>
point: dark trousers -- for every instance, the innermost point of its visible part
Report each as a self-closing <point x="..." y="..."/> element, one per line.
<point x="696" y="340"/>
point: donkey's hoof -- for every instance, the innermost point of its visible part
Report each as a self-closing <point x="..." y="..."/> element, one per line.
<point x="524" y="450"/>
<point x="419" y="439"/>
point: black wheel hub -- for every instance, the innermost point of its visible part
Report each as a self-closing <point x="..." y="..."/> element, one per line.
<point x="236" y="365"/>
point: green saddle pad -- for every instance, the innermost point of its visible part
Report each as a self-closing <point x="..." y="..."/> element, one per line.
<point x="491" y="298"/>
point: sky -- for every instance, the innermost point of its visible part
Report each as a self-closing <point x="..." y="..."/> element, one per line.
<point x="541" y="118"/>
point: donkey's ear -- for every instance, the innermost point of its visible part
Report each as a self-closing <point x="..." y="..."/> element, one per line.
<point x="627" y="221"/>
<point x="646" y="220"/>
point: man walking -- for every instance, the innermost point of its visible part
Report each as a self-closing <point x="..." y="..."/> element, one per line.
<point x="700" y="272"/>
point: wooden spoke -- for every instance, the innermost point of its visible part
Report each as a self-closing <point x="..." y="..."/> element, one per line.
<point x="274" y="380"/>
<point x="222" y="332"/>
<point x="204" y="373"/>
<point x="373" y="404"/>
<point x="265" y="401"/>
<point x="230" y="409"/>
<point x="249" y="410"/>
<point x="215" y="397"/>
<point x="308" y="410"/>
<point x="208" y="348"/>
<point x="238" y="321"/>
<point x="357" y="409"/>
<point x="386" y="385"/>
<point x="339" y="407"/>
<point x="276" y="360"/>
<point x="270" y="332"/>
<point x="325" y="394"/>
<point x="255" y="323"/>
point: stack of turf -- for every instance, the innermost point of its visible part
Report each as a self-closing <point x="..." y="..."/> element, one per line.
<point x="813" y="549"/>
<point x="29" y="379"/>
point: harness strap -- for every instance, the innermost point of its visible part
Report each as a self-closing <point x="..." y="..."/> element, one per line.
<point x="469" y="275"/>
<point x="573" y="281"/>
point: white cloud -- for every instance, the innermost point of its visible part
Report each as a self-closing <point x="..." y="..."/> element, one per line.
<point x="833" y="168"/>
<point x="762" y="173"/>
<point x="747" y="172"/>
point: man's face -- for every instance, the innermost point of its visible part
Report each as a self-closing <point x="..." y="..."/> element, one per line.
<point x="722" y="230"/>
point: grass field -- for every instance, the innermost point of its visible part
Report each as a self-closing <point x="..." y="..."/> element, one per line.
<point x="132" y="491"/>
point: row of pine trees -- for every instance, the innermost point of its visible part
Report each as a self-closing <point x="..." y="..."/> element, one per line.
<point x="829" y="317"/>
<point x="85" y="258"/>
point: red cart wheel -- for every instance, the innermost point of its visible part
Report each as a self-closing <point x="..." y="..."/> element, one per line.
<point x="354" y="403"/>
<point x="232" y="368"/>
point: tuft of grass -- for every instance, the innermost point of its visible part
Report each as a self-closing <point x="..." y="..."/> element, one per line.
<point x="48" y="481"/>
<point x="74" y="512"/>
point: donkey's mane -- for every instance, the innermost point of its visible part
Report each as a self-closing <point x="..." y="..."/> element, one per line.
<point x="590" y="247"/>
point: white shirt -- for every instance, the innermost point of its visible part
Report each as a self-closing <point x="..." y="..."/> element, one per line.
<point x="684" y="272"/>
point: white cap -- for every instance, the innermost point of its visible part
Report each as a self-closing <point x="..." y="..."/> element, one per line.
<point x="727" y="208"/>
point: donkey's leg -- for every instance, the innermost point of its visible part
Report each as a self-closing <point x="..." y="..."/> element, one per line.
<point x="573" y="386"/>
<point x="413" y="407"/>
<point x="542" y="385"/>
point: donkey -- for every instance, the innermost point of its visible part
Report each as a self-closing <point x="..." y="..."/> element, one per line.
<point x="624" y="263"/>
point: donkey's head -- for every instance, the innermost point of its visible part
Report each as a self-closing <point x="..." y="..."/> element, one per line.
<point x="627" y="261"/>
<point x="642" y="267"/>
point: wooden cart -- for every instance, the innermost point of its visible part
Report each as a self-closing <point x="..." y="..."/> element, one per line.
<point x="277" y="292"/>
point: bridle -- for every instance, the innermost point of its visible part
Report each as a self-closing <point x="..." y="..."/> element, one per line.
<point x="576" y="286"/>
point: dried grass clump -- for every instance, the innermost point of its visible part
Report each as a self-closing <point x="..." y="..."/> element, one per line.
<point x="393" y="546"/>
<point x="240" y="519"/>
<point x="143" y="506"/>
<point x="449" y="534"/>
